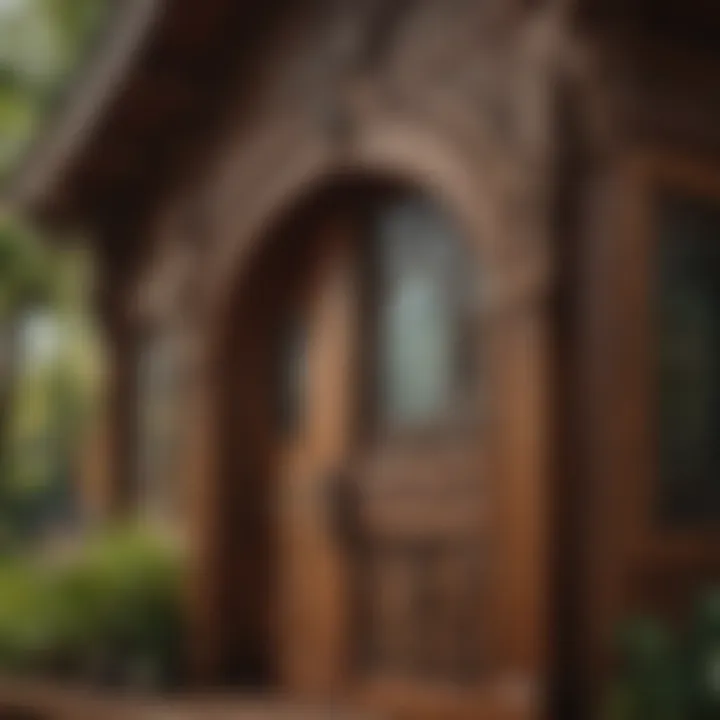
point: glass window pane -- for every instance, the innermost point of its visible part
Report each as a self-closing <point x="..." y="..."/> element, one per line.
<point x="689" y="305"/>
<point x="419" y="274"/>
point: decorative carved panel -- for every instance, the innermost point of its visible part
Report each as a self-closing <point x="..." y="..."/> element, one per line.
<point x="415" y="531"/>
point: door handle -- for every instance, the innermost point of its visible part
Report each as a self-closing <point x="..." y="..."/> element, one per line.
<point x="342" y="505"/>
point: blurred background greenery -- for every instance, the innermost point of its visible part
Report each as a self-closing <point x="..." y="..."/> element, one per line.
<point x="98" y="604"/>
<point x="50" y="358"/>
<point x="41" y="44"/>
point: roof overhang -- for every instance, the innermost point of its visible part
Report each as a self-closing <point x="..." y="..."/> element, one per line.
<point x="146" y="93"/>
<point x="37" y="186"/>
<point x="161" y="69"/>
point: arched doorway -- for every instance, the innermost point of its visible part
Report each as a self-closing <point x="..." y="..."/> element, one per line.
<point x="369" y="509"/>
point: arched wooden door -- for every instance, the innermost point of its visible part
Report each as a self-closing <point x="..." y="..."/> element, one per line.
<point x="408" y="465"/>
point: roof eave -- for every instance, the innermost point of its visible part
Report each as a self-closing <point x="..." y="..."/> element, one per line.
<point x="36" y="187"/>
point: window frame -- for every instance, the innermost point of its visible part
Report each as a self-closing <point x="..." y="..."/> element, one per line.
<point x="650" y="173"/>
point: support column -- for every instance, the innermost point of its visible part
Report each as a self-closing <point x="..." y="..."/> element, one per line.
<point x="204" y="520"/>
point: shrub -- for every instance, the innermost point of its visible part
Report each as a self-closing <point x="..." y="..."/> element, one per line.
<point x="647" y="685"/>
<point x="702" y="658"/>
<point x="109" y="613"/>
<point x="20" y="615"/>
<point x="666" y="675"/>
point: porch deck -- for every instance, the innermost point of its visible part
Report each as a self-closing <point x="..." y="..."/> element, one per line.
<point x="31" y="700"/>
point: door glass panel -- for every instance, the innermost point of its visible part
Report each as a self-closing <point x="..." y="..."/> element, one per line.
<point x="689" y="323"/>
<point x="419" y="269"/>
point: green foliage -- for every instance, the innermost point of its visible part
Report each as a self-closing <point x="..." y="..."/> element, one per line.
<point x="20" y="598"/>
<point x="648" y="685"/>
<point x="49" y="381"/>
<point x="665" y="675"/>
<point x="109" y="613"/>
<point x="26" y="277"/>
<point x="41" y="42"/>
<point x="702" y="658"/>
